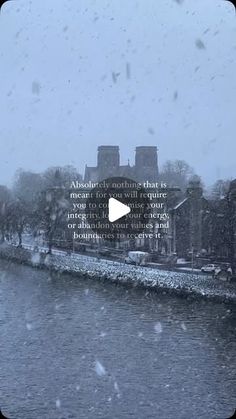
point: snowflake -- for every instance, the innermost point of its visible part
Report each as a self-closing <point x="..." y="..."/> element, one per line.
<point x="158" y="327"/>
<point x="99" y="368"/>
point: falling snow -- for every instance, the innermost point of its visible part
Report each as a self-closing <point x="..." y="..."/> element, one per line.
<point x="35" y="259"/>
<point x="99" y="368"/>
<point x="58" y="403"/>
<point x="29" y="326"/>
<point x="199" y="44"/>
<point x="183" y="326"/>
<point x="158" y="327"/>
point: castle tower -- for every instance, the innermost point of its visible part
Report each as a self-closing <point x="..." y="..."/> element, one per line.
<point x="146" y="163"/>
<point x="108" y="161"/>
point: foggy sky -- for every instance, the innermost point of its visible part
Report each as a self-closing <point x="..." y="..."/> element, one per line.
<point x="77" y="74"/>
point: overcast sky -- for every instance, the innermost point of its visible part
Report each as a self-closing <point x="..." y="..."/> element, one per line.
<point x="77" y="74"/>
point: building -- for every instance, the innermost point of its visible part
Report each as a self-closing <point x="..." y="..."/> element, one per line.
<point x="190" y="223"/>
<point x="204" y="227"/>
<point x="223" y="221"/>
<point x="196" y="225"/>
<point x="108" y="165"/>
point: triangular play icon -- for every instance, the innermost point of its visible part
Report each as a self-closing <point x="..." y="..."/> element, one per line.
<point x="117" y="210"/>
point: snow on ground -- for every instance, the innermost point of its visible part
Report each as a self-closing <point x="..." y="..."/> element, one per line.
<point x="107" y="270"/>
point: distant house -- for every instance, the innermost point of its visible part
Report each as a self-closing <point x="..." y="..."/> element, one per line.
<point x="224" y="225"/>
<point x="190" y="229"/>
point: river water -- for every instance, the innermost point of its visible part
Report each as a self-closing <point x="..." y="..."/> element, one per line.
<point x="76" y="348"/>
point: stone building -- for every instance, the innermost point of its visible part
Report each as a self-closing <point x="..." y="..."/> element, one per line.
<point x="190" y="223"/>
<point x="223" y="221"/>
<point x="108" y="164"/>
<point x="195" y="224"/>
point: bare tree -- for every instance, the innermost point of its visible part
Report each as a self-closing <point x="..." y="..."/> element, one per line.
<point x="18" y="214"/>
<point x="53" y="203"/>
<point x="220" y="189"/>
<point x="176" y="173"/>
<point x="5" y="199"/>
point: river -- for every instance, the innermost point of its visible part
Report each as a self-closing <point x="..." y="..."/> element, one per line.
<point x="76" y="348"/>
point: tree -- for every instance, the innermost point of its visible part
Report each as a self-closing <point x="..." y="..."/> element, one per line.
<point x="52" y="204"/>
<point x="5" y="199"/>
<point x="220" y="189"/>
<point x="27" y="186"/>
<point x="176" y="173"/>
<point x="41" y="200"/>
<point x="18" y="215"/>
<point x="60" y="176"/>
<point x="26" y="189"/>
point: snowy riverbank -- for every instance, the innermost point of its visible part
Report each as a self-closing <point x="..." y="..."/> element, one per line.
<point x="105" y="270"/>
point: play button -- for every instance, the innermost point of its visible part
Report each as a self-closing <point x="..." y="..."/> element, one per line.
<point x="117" y="210"/>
